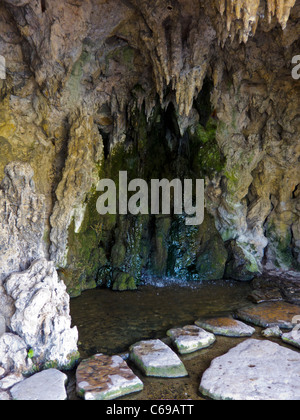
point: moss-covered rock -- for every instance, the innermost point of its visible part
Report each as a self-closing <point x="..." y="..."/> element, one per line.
<point x="196" y="252"/>
<point x="241" y="266"/>
<point x="124" y="281"/>
<point x="116" y="250"/>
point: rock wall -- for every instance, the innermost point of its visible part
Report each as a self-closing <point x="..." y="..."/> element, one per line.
<point x="219" y="71"/>
<point x="34" y="304"/>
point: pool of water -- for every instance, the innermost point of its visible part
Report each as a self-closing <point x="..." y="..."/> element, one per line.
<point x="109" y="322"/>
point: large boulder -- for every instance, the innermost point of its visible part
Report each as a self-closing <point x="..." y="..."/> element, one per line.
<point x="254" y="370"/>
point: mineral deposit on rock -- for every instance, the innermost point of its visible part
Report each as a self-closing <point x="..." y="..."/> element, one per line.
<point x="42" y="314"/>
<point x="105" y="378"/>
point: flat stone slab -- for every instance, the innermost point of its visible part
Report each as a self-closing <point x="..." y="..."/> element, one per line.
<point x="269" y="295"/>
<point x="4" y="396"/>
<point x="190" y="338"/>
<point x="226" y="326"/>
<point x="48" y="385"/>
<point x="292" y="338"/>
<point x="154" y="358"/>
<point x="270" y="314"/>
<point x="254" y="370"/>
<point x="105" y="378"/>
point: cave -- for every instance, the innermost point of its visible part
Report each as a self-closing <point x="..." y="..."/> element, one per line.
<point x="162" y="90"/>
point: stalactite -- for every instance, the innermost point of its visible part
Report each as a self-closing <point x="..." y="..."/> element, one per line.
<point x="248" y="11"/>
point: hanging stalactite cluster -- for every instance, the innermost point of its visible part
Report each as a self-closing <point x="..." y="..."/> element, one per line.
<point x="242" y="16"/>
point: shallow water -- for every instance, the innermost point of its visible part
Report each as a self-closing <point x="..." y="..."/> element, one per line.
<point x="109" y="322"/>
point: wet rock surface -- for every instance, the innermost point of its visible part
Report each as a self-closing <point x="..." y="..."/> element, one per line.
<point x="48" y="385"/>
<point x="272" y="332"/>
<point x="190" y="338"/>
<point x="226" y="326"/>
<point x="270" y="314"/>
<point x="155" y="358"/>
<point x="105" y="378"/>
<point x="254" y="370"/>
<point x="68" y="106"/>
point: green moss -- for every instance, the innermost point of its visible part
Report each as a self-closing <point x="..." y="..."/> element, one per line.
<point x="122" y="55"/>
<point x="72" y="361"/>
<point x="208" y="158"/>
<point x="115" y="250"/>
<point x="196" y="253"/>
<point x="123" y="282"/>
<point x="242" y="264"/>
<point x="74" y="82"/>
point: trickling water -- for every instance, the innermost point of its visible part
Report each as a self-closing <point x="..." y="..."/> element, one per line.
<point x="109" y="322"/>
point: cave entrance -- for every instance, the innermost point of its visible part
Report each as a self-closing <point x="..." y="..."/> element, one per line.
<point x="121" y="251"/>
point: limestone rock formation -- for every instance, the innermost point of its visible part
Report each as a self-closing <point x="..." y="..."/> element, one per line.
<point x="42" y="315"/>
<point x="35" y="313"/>
<point x="14" y="354"/>
<point x="203" y="85"/>
<point x="22" y="219"/>
<point x="22" y="214"/>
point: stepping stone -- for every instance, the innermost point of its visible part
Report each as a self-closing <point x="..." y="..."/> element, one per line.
<point x="226" y="326"/>
<point x="254" y="370"/>
<point x="105" y="378"/>
<point x="270" y="314"/>
<point x="154" y="358"/>
<point x="190" y="338"/>
<point x="10" y="380"/>
<point x="272" y="332"/>
<point x="260" y="296"/>
<point x="48" y="385"/>
<point x="292" y="338"/>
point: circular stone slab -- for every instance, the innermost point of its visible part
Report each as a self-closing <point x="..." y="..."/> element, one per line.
<point x="254" y="370"/>
<point x="226" y="326"/>
<point x="270" y="314"/>
<point x="105" y="378"/>
<point x="190" y="338"/>
<point x="154" y="358"/>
